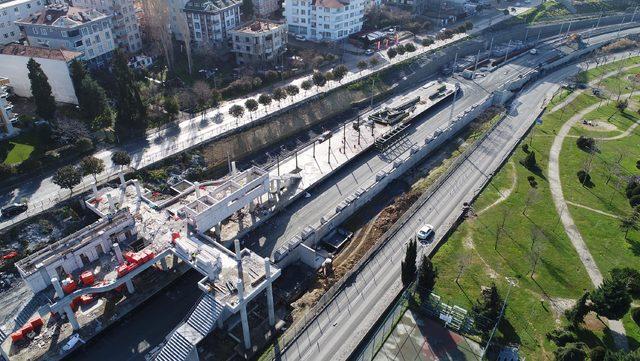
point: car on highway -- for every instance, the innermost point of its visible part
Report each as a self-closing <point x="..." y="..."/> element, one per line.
<point x="324" y="136"/>
<point x="13" y="209"/>
<point x="533" y="51"/>
<point x="425" y="233"/>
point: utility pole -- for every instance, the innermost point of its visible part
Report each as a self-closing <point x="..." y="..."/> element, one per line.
<point x="490" y="46"/>
<point x="453" y="105"/>
<point x="561" y="26"/>
<point x="358" y="128"/>
<point x="475" y="67"/>
<point x="314" y="149"/>
<point x="569" y="29"/>
<point x="344" y="139"/>
<point x="620" y="27"/>
<point x="329" y="152"/>
<point x="526" y="34"/>
<point x="373" y="82"/>
<point x="506" y="54"/>
<point x="455" y="63"/>
<point x="539" y="34"/>
<point x="635" y="10"/>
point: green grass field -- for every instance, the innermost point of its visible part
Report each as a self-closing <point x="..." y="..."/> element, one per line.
<point x="531" y="222"/>
<point x="18" y="149"/>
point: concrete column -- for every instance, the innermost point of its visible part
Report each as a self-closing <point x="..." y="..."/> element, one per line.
<point x="196" y="186"/>
<point x="267" y="272"/>
<point x="118" y="252"/>
<point x="130" y="287"/>
<point x="252" y="206"/>
<point x="234" y="170"/>
<point x="94" y="188"/>
<point x="163" y="264"/>
<point x="121" y="176"/>
<point x="138" y="191"/>
<point x="236" y="243"/>
<point x="220" y="323"/>
<point x="246" y="335"/>
<point x="112" y="205"/>
<point x="217" y="229"/>
<point x="71" y="316"/>
<point x="56" y="285"/>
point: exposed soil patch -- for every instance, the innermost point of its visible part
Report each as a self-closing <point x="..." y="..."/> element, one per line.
<point x="598" y="126"/>
<point x="591" y="322"/>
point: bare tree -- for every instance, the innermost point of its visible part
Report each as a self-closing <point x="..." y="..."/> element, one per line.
<point x="532" y="198"/>
<point x="202" y="93"/>
<point x="464" y="261"/>
<point x="537" y="244"/>
<point x="500" y="225"/>
<point x="186" y="37"/>
<point x="157" y="23"/>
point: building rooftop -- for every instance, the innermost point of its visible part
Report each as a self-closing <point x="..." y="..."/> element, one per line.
<point x="36" y="52"/>
<point x="210" y="5"/>
<point x="63" y="16"/>
<point x="332" y="4"/>
<point x="258" y="26"/>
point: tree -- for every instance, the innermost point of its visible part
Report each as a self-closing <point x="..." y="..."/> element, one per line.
<point x="468" y="25"/>
<point x="587" y="144"/>
<point x="41" y="90"/>
<point x="400" y="49"/>
<point x="93" y="101"/>
<point x="318" y="79"/>
<point x="575" y="315"/>
<point x="622" y="105"/>
<point x="77" y="72"/>
<point x="271" y="76"/>
<point x="171" y="106"/>
<point x="571" y="352"/>
<point x="83" y="144"/>
<point x="307" y="84"/>
<point x="529" y="161"/>
<point x="362" y="65"/>
<point x="202" y="93"/>
<point x="236" y="111"/>
<point x="611" y="299"/>
<point x="339" y="72"/>
<point x="215" y="99"/>
<point x="121" y="158"/>
<point x="408" y="265"/>
<point x="427" y="275"/>
<point x="410" y="47"/>
<point x="630" y="223"/>
<point x="251" y="105"/>
<point x="247" y="8"/>
<point x="329" y="76"/>
<point x="67" y="177"/>
<point x="91" y="165"/>
<point x="279" y="94"/>
<point x="630" y="277"/>
<point x="157" y="27"/>
<point x="131" y="117"/>
<point x="292" y="90"/>
<point x="487" y="309"/>
<point x="265" y="100"/>
<point x="392" y="52"/>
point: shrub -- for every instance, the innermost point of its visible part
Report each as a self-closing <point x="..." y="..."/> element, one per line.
<point x="392" y="53"/>
<point x="529" y="161"/>
<point x="532" y="181"/>
<point x="584" y="177"/>
<point x="631" y="277"/>
<point x="427" y="41"/>
<point x="401" y="49"/>
<point x="586" y="143"/>
<point x="84" y="145"/>
<point x="597" y="353"/>
<point x="633" y="201"/>
<point x="561" y="337"/>
<point x="635" y="314"/>
<point x="410" y="47"/>
<point x="525" y="148"/>
<point x="6" y="170"/>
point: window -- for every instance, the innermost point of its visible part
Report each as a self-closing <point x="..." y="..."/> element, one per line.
<point x="91" y="53"/>
<point x="35" y="30"/>
<point x="64" y="34"/>
<point x="78" y="43"/>
<point x="88" y="41"/>
<point x="97" y="38"/>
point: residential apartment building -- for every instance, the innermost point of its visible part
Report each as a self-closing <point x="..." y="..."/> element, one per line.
<point x="124" y="22"/>
<point x="54" y="62"/>
<point x="258" y="42"/>
<point x="6" y="115"/>
<point x="265" y="8"/>
<point x="10" y="11"/>
<point x="60" y="26"/>
<point x="176" y="11"/>
<point x="324" y="20"/>
<point x="211" y="20"/>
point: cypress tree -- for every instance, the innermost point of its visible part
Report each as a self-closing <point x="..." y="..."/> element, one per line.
<point x="427" y="275"/>
<point x="408" y="266"/>
<point x="41" y="90"/>
<point x="131" y="112"/>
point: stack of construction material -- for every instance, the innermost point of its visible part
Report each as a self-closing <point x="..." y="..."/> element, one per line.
<point x="28" y="330"/>
<point x="69" y="285"/>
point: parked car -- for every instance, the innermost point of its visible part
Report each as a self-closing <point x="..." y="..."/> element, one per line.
<point x="300" y="38"/>
<point x="425" y="233"/>
<point x="369" y="52"/>
<point x="13" y="209"/>
<point x="533" y="51"/>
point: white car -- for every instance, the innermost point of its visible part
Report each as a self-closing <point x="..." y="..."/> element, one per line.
<point x="425" y="232"/>
<point x="300" y="38"/>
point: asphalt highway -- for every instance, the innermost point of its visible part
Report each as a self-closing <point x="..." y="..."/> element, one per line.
<point x="338" y="329"/>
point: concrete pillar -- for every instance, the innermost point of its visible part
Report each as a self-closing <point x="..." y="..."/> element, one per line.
<point x="138" y="191"/>
<point x="217" y="229"/>
<point x="121" y="176"/>
<point x="71" y="316"/>
<point x="252" y="206"/>
<point x="130" y="287"/>
<point x="246" y="335"/>
<point x="118" y="252"/>
<point x="163" y="264"/>
<point x="94" y="188"/>
<point x="236" y="243"/>
<point x="220" y="323"/>
<point x="56" y="285"/>
<point x="196" y="186"/>
<point x="234" y="170"/>
<point x="112" y="205"/>
<point x="267" y="272"/>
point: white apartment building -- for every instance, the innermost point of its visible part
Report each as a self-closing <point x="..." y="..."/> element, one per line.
<point x="60" y="26"/>
<point x="124" y="22"/>
<point x="10" y="11"/>
<point x="324" y="20"/>
<point x="6" y="115"/>
<point x="210" y="21"/>
<point x="176" y="11"/>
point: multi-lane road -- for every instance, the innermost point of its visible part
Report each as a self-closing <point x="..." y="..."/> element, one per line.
<point x="340" y="326"/>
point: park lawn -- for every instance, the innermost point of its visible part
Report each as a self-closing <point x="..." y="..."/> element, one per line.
<point x="632" y="329"/>
<point x="607" y="113"/>
<point x="20" y="148"/>
<point x="500" y="185"/>
<point x="534" y="304"/>
<point x="620" y="84"/>
<point x="595" y="73"/>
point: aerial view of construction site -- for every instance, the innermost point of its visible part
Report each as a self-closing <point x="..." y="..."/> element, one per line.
<point x="396" y="190"/>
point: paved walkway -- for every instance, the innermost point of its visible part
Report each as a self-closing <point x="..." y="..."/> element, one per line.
<point x="592" y="209"/>
<point x="618" y="334"/>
